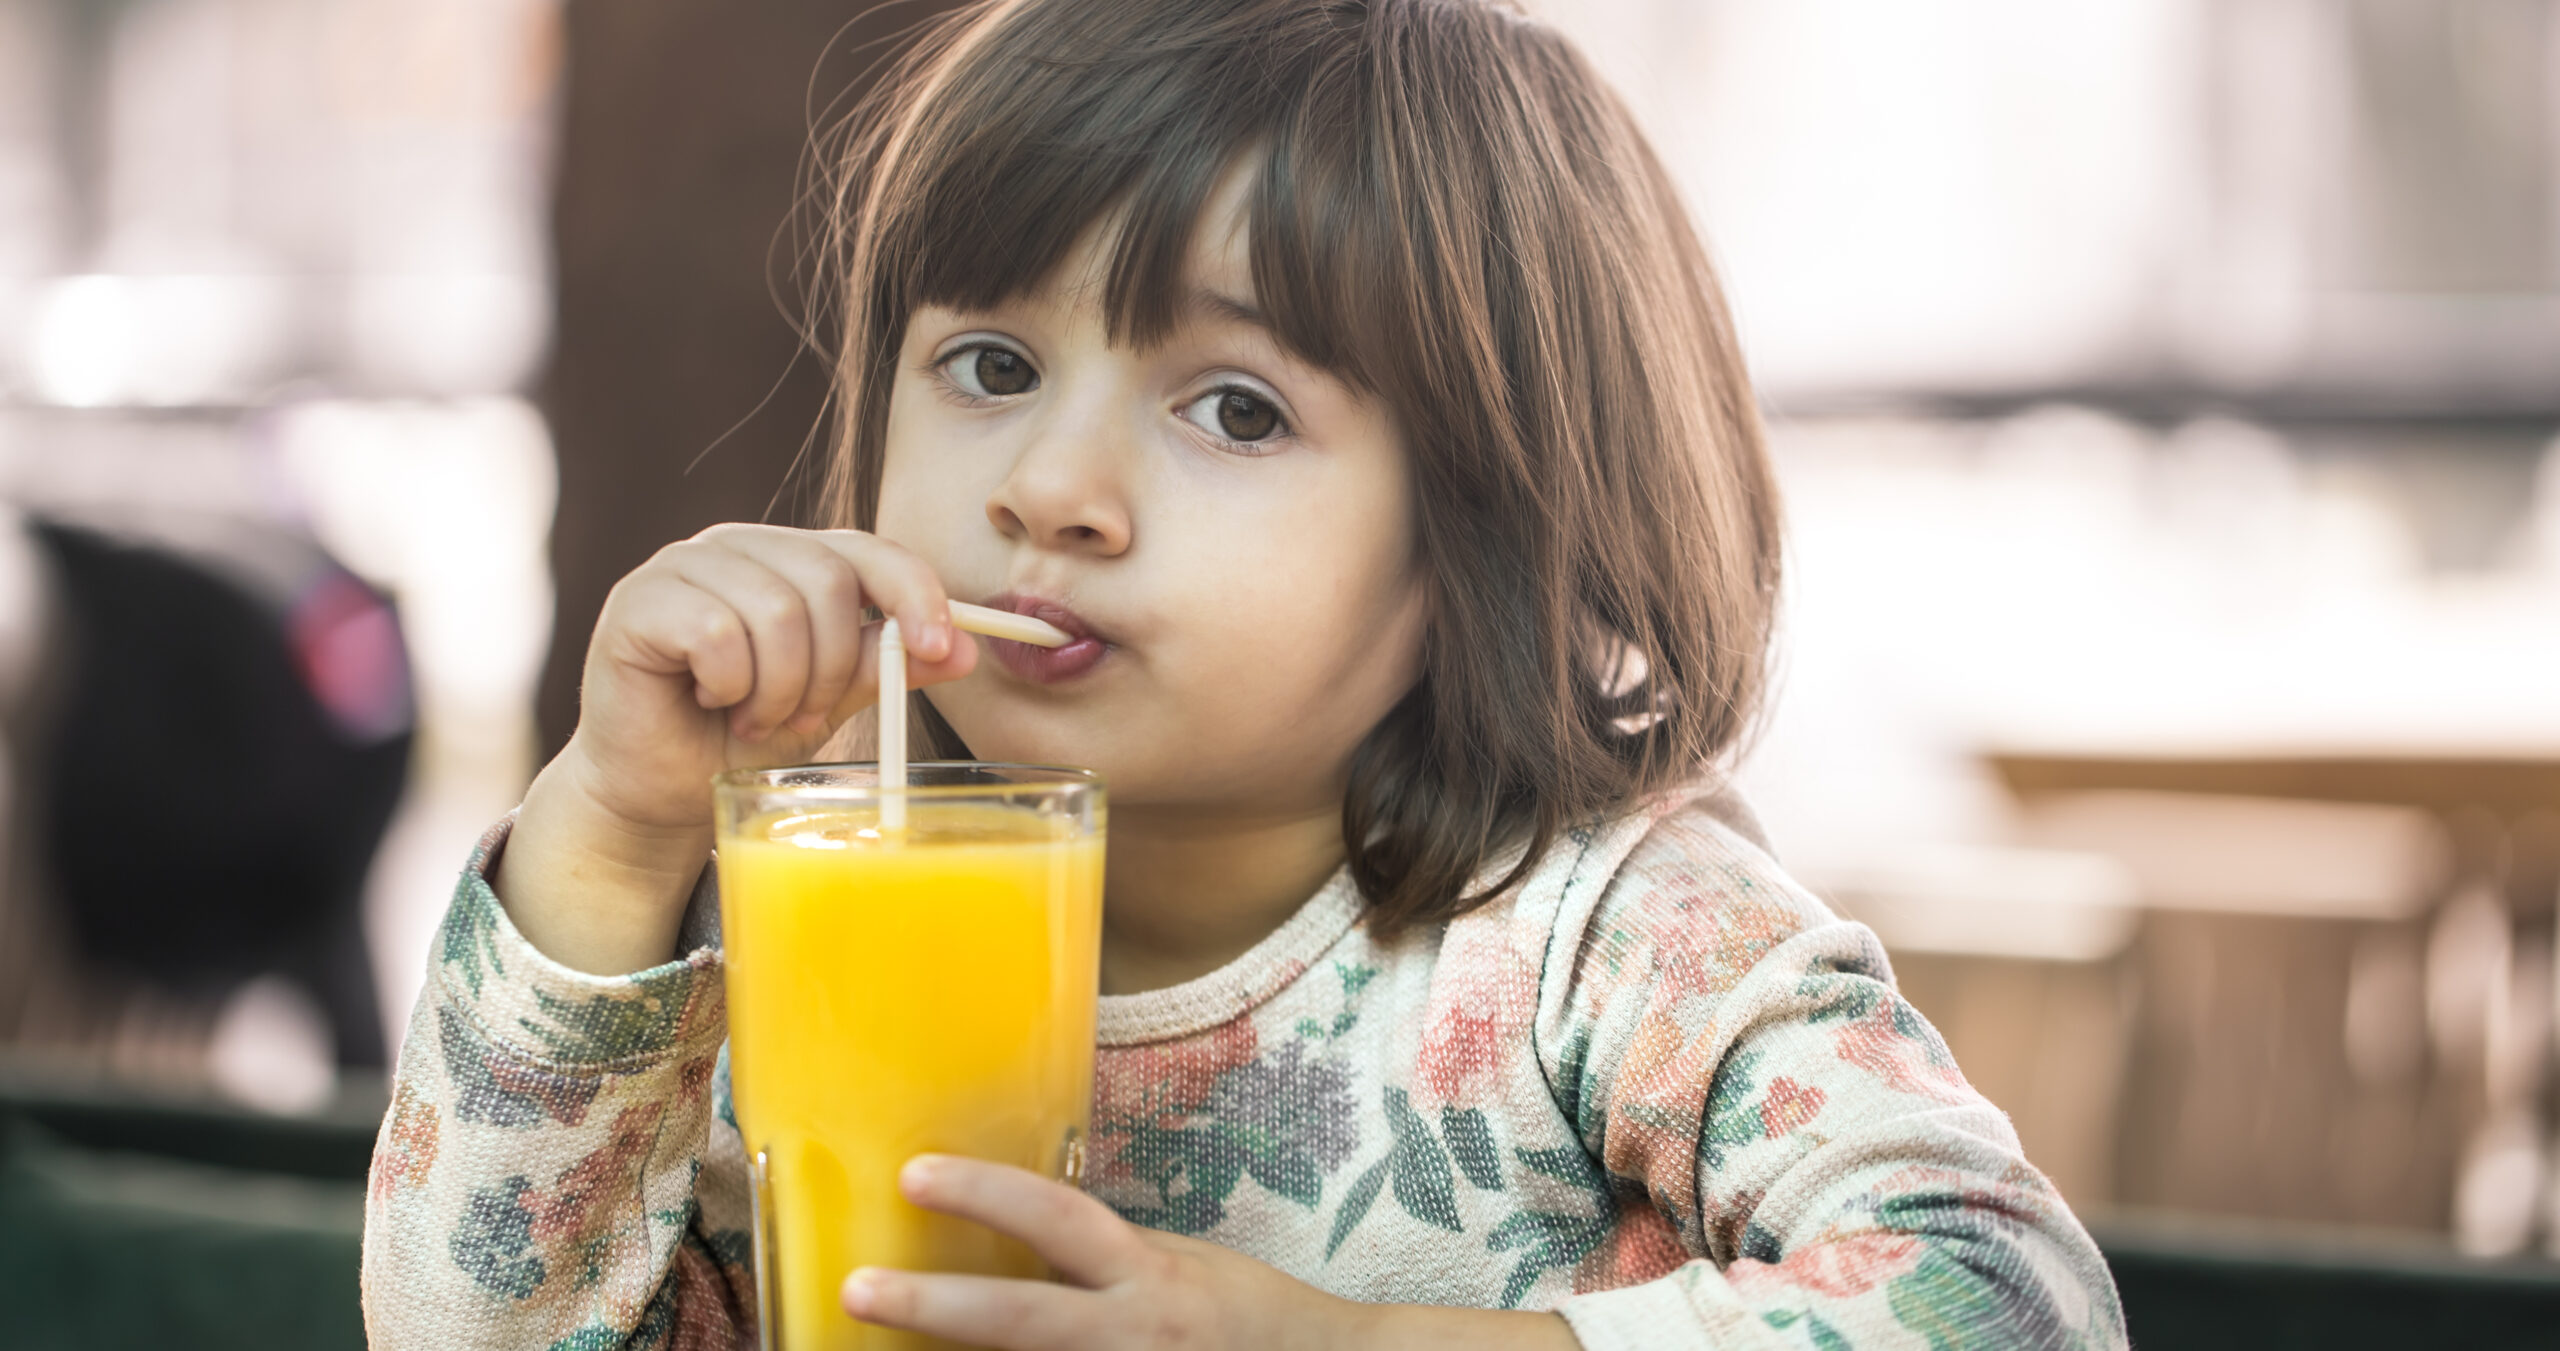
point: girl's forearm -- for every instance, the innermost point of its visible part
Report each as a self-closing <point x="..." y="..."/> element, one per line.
<point x="585" y="889"/>
<point x="1424" y="1327"/>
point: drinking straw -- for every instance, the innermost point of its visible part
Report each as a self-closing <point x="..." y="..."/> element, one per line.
<point x="893" y="691"/>
<point x="1006" y="624"/>
<point x="893" y="729"/>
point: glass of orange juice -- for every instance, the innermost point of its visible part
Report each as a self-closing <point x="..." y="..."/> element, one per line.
<point x="900" y="992"/>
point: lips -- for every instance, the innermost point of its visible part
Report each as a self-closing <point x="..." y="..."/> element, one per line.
<point x="1047" y="665"/>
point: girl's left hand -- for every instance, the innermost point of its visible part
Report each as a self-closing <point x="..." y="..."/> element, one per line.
<point x="1123" y="1286"/>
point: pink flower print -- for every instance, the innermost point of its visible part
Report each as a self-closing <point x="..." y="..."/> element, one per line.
<point x="1159" y="1084"/>
<point x="1788" y="1106"/>
<point x="1462" y="1047"/>
<point x="1908" y="1060"/>
<point x="1641" y="1246"/>
<point x="710" y="1303"/>
<point x="1837" y="1268"/>
<point x="1655" y="1108"/>
<point x="566" y="1211"/>
<point x="1465" y="1029"/>
<point x="1162" y="1082"/>
<point x="695" y="1075"/>
<point x="409" y="1139"/>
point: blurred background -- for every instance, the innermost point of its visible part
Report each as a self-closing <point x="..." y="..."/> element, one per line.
<point x="2166" y="394"/>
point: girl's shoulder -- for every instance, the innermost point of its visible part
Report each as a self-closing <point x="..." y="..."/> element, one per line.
<point x="1686" y="879"/>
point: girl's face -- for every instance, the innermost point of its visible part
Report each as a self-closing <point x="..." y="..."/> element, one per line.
<point x="1228" y="531"/>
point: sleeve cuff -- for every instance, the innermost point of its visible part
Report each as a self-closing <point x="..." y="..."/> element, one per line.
<point x="546" y="1012"/>
<point x="1692" y="1309"/>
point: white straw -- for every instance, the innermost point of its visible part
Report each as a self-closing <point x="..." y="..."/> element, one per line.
<point x="893" y="729"/>
<point x="1006" y="624"/>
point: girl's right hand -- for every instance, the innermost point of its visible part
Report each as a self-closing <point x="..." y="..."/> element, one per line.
<point x="741" y="647"/>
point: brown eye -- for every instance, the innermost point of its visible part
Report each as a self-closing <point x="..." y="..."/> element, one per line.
<point x="1002" y="372"/>
<point x="1243" y="417"/>
<point x="1245" y="420"/>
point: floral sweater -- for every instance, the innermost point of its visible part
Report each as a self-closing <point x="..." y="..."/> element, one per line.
<point x="1656" y="1087"/>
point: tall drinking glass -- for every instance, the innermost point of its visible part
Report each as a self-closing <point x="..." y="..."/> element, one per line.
<point x="898" y="993"/>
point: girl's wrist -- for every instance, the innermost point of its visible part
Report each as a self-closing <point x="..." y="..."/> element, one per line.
<point x="590" y="889"/>
<point x="1427" y="1327"/>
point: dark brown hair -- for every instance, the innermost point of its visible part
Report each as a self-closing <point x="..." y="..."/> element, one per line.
<point x="1453" y="213"/>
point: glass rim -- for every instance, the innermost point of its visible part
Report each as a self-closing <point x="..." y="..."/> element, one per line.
<point x="1049" y="779"/>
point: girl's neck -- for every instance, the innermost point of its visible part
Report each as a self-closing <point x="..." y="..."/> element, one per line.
<point x="1185" y="894"/>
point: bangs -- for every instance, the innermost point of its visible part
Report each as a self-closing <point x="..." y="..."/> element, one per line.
<point x="1450" y="212"/>
<point x="1059" y="120"/>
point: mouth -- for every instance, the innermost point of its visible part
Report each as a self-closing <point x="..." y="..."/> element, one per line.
<point x="1046" y="665"/>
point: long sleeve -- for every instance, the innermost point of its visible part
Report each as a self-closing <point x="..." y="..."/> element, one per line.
<point x="559" y="1167"/>
<point x="1738" y="1060"/>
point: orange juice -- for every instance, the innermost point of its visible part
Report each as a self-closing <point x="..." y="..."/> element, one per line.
<point x="890" y="997"/>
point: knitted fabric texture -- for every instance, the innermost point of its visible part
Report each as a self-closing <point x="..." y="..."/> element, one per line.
<point x="1657" y="1087"/>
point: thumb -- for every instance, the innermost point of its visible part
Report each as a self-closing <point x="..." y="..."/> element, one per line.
<point x="865" y="689"/>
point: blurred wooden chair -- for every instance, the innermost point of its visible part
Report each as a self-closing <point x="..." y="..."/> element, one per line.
<point x="2344" y="981"/>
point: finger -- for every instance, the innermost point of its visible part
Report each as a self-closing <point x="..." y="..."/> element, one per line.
<point x="901" y="584"/>
<point x="777" y="628"/>
<point x="677" y="628"/>
<point x="864" y="689"/>
<point x="831" y="595"/>
<point x="1078" y="1235"/>
<point x="985" y="1311"/>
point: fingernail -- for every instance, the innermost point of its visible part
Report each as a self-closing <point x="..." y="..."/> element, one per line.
<point x="918" y="1174"/>
<point x="937" y="640"/>
<point x="861" y="1293"/>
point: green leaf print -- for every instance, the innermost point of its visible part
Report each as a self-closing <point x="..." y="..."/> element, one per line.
<point x="657" y="1327"/>
<point x="724" y="1101"/>
<point x="493" y="1243"/>
<point x="1843" y="998"/>
<point x="1553" y="1238"/>
<point x="1825" y="1337"/>
<point x="1286" y="1119"/>
<point x="1945" y="1301"/>
<point x="610" y="1027"/>
<point x="1356" y="1203"/>
<point x="1206" y="1163"/>
<point x="1571" y="1064"/>
<point x="1423" y="1182"/>
<point x="1471" y="1144"/>
<point x="469" y="938"/>
<point x="1733" y="1118"/>
<point x="1416" y="1169"/>
<point x="1568" y="1163"/>
<point x="1354" y="980"/>
<point x="731" y="1248"/>
<point x="1289" y="1172"/>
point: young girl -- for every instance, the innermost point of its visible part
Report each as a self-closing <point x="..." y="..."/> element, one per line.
<point x="1344" y="376"/>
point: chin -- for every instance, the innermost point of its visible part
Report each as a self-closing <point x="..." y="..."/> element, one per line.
<point x="1020" y="736"/>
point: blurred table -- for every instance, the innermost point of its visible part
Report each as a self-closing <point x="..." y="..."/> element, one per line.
<point x="2246" y="1091"/>
<point x="2512" y="786"/>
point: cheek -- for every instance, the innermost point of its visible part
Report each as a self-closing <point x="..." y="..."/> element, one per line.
<point x="923" y="502"/>
<point x="1323" y="611"/>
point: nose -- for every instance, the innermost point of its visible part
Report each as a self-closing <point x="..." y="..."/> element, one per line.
<point x="1065" y="493"/>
